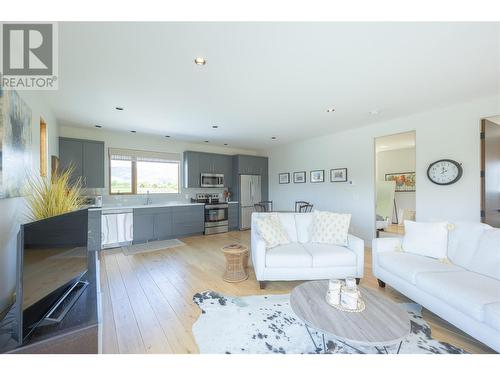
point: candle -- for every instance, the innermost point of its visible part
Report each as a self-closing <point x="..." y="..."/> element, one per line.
<point x="349" y="298"/>
<point x="333" y="294"/>
<point x="350" y="282"/>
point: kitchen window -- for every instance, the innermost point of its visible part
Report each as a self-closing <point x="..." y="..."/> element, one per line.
<point x="142" y="172"/>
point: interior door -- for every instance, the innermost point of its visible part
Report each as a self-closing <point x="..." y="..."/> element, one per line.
<point x="491" y="155"/>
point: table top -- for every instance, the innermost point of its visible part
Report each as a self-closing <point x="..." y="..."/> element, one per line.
<point x="235" y="248"/>
<point x="383" y="322"/>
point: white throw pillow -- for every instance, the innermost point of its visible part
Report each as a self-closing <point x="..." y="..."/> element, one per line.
<point x="486" y="260"/>
<point x="330" y="228"/>
<point x="303" y="223"/>
<point x="427" y="239"/>
<point x="270" y="229"/>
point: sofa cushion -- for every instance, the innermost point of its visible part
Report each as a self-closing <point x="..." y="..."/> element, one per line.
<point x="270" y="229"/>
<point x="408" y="266"/>
<point x="324" y="255"/>
<point x="291" y="255"/>
<point x="466" y="291"/>
<point x="492" y="315"/>
<point x="303" y="222"/>
<point x="486" y="259"/>
<point x="330" y="228"/>
<point x="428" y="239"/>
<point x="463" y="240"/>
<point x="288" y="223"/>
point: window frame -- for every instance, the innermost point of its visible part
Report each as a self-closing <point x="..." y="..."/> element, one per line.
<point x="133" y="166"/>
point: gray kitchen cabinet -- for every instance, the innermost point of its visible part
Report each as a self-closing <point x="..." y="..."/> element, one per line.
<point x="71" y="156"/>
<point x="143" y="226"/>
<point x="87" y="158"/>
<point x="93" y="164"/>
<point x="161" y="223"/>
<point x="188" y="220"/>
<point x="233" y="216"/>
<point x="192" y="169"/>
<point x="196" y="163"/>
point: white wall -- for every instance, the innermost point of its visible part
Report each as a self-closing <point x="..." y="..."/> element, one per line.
<point x="149" y="143"/>
<point x="13" y="210"/>
<point x="398" y="161"/>
<point x="451" y="132"/>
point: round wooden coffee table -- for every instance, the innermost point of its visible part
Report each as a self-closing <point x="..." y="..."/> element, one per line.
<point x="236" y="263"/>
<point x="383" y="323"/>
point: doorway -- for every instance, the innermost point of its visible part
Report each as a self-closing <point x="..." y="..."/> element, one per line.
<point x="490" y="171"/>
<point x="395" y="183"/>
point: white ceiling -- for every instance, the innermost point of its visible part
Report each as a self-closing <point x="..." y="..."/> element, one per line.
<point x="267" y="79"/>
<point x="395" y="142"/>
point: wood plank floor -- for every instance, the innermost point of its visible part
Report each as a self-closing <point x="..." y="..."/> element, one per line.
<point x="147" y="305"/>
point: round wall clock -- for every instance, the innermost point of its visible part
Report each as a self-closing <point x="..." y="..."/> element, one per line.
<point x="444" y="172"/>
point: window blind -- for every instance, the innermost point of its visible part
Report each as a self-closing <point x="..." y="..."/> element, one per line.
<point x="138" y="155"/>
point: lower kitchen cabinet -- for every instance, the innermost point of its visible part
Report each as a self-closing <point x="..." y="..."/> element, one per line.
<point x="161" y="223"/>
<point x="233" y="216"/>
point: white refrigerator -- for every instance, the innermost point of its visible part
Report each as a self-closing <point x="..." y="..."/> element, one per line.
<point x="250" y="194"/>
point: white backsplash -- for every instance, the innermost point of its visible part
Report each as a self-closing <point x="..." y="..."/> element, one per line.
<point x="133" y="200"/>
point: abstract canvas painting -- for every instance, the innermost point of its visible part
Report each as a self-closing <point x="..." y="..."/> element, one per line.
<point x="15" y="143"/>
<point x="405" y="181"/>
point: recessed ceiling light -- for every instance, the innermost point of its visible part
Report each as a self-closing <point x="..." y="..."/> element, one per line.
<point x="98" y="126"/>
<point x="273" y="137"/>
<point x="215" y="126"/>
<point x="374" y="112"/>
<point x="133" y="131"/>
<point x="119" y="108"/>
<point x="330" y="110"/>
<point x="200" y="61"/>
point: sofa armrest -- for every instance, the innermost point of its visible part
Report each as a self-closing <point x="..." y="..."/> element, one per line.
<point x="380" y="245"/>
<point x="357" y="245"/>
<point x="383" y="245"/>
<point x="258" y="250"/>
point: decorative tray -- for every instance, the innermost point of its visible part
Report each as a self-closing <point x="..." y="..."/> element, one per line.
<point x="360" y="308"/>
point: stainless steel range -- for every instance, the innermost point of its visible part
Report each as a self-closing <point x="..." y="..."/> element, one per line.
<point x="216" y="220"/>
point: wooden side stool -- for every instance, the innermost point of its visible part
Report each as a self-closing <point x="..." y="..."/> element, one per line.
<point x="236" y="263"/>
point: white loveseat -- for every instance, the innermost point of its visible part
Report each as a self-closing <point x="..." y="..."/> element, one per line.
<point x="464" y="291"/>
<point x="301" y="259"/>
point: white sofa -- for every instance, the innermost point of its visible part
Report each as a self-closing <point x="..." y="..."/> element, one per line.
<point x="301" y="259"/>
<point x="465" y="291"/>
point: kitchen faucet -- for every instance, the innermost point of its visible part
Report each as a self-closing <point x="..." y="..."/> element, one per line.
<point x="148" y="199"/>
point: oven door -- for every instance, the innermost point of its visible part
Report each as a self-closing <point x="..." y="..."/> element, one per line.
<point x="212" y="180"/>
<point x="216" y="213"/>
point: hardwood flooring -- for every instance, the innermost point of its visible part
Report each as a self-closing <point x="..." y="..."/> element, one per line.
<point x="147" y="298"/>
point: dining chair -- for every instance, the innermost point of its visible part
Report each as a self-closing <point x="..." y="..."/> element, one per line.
<point x="268" y="205"/>
<point x="298" y="204"/>
<point x="306" y="208"/>
<point x="259" y="207"/>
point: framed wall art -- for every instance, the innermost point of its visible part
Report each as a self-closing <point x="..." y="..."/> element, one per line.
<point x="338" y="175"/>
<point x="405" y="181"/>
<point x="284" y="178"/>
<point x="317" y="176"/>
<point x="299" y="177"/>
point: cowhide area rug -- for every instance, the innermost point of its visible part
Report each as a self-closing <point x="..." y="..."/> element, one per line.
<point x="267" y="324"/>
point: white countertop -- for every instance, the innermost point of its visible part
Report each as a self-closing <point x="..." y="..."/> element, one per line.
<point x="153" y="205"/>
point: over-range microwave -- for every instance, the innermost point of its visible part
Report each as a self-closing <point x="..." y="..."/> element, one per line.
<point x="212" y="180"/>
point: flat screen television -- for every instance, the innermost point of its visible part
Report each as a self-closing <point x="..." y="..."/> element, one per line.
<point x="52" y="261"/>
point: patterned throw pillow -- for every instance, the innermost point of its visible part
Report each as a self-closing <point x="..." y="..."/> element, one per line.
<point x="330" y="228"/>
<point x="270" y="229"/>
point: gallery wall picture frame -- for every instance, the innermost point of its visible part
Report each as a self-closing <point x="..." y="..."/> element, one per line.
<point x="317" y="176"/>
<point x="338" y="175"/>
<point x="284" y="178"/>
<point x="299" y="177"/>
<point x="405" y="181"/>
